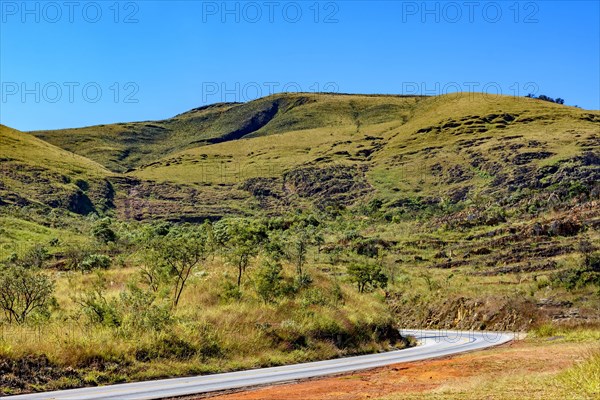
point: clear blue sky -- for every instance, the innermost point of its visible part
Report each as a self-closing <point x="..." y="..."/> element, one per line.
<point x="155" y="59"/>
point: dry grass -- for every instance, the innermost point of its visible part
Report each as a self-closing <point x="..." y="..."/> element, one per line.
<point x="224" y="335"/>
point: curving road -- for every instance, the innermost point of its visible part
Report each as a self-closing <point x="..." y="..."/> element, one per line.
<point x="431" y="344"/>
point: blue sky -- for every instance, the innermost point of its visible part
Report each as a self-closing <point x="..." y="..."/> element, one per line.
<point x="70" y="64"/>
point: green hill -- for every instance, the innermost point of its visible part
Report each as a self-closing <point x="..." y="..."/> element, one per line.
<point x="398" y="149"/>
<point x="128" y="145"/>
<point x="333" y="149"/>
<point x="38" y="173"/>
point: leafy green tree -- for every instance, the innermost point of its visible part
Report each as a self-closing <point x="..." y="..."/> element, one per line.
<point x="176" y="255"/>
<point x="299" y="240"/>
<point x="23" y="291"/>
<point x="268" y="281"/>
<point x="240" y="240"/>
<point x="275" y="246"/>
<point x="367" y="275"/>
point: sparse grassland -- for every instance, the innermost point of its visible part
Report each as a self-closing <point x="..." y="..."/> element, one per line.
<point x="113" y="325"/>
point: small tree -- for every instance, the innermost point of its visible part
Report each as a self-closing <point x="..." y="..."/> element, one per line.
<point x="367" y="275"/>
<point x="152" y="273"/>
<point x="177" y="255"/>
<point x="268" y="281"/>
<point x="240" y="240"/>
<point x="23" y="291"/>
<point x="239" y="256"/>
<point x="299" y="240"/>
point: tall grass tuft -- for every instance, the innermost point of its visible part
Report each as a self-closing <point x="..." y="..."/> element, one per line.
<point x="584" y="378"/>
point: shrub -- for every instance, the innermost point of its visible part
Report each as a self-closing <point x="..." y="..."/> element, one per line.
<point x="374" y="206"/>
<point x="209" y="345"/>
<point x="230" y="291"/>
<point x="314" y="297"/>
<point x="142" y="310"/>
<point x="543" y="97"/>
<point x="104" y="232"/>
<point x="289" y="335"/>
<point x="167" y="346"/>
<point x="82" y="184"/>
<point x="74" y="256"/>
<point x="588" y="273"/>
<point x="268" y="281"/>
<point x="24" y="291"/>
<point x="35" y="257"/>
<point x="544" y="330"/>
<point x="176" y="347"/>
<point x="97" y="307"/>
<point x="592" y="262"/>
<point x="302" y="281"/>
<point x="95" y="261"/>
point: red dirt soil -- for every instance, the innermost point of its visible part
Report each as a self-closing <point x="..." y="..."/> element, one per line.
<point x="423" y="376"/>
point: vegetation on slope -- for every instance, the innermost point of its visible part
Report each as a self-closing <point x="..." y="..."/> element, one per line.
<point x="35" y="172"/>
<point x="313" y="223"/>
<point x="129" y="145"/>
<point x="140" y="301"/>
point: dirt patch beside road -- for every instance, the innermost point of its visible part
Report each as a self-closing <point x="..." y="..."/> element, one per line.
<point x="465" y="376"/>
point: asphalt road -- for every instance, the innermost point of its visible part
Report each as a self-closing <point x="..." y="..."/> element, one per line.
<point x="432" y="344"/>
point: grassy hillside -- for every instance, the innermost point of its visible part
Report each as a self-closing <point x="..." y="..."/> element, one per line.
<point x="128" y="145"/>
<point x="36" y="172"/>
<point x="302" y="150"/>
<point x="470" y="157"/>
<point x="400" y="150"/>
<point x="462" y="143"/>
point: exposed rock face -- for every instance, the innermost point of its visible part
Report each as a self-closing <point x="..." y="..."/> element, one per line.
<point x="335" y="182"/>
<point x="566" y="227"/>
